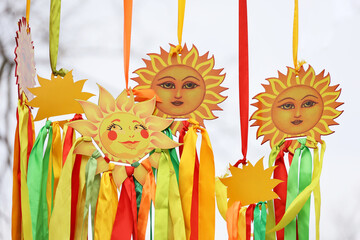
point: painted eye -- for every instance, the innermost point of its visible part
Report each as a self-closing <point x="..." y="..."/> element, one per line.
<point x="167" y="85"/>
<point x="308" y="104"/>
<point x="114" y="126"/>
<point x="139" y="127"/>
<point x="287" y="106"/>
<point x="190" y="85"/>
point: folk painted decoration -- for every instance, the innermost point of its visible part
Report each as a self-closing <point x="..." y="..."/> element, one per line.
<point x="187" y="84"/>
<point x="125" y="131"/>
<point x="296" y="105"/>
<point x="24" y="59"/>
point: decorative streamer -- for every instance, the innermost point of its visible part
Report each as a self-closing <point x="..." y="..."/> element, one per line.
<point x="92" y="188"/>
<point x="259" y="221"/>
<point x="28" y="3"/>
<point x="125" y="224"/>
<point x="232" y="219"/>
<point x="37" y="181"/>
<point x="106" y="205"/>
<point x="54" y="31"/>
<point x="242" y="223"/>
<point x="59" y="227"/>
<point x="249" y="219"/>
<point x="128" y="4"/>
<point x="206" y="182"/>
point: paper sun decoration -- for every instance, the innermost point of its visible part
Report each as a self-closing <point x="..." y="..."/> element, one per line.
<point x="187" y="84"/>
<point x="24" y="58"/>
<point x="124" y="131"/>
<point x="251" y="184"/>
<point x="296" y="105"/>
<point x="57" y="96"/>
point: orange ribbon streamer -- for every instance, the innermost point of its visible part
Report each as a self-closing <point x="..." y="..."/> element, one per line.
<point x="127" y="38"/>
<point x="232" y="218"/>
<point x="148" y="194"/>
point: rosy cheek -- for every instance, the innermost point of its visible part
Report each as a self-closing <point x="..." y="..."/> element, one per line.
<point x="112" y="135"/>
<point x="144" y="133"/>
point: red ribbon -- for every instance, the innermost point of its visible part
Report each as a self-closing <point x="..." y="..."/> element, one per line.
<point x="243" y="76"/>
<point x="125" y="223"/>
<point x="249" y="219"/>
<point x="281" y="189"/>
<point x="194" y="218"/>
<point x="68" y="141"/>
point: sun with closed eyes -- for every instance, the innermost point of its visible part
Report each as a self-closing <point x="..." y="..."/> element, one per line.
<point x="187" y="84"/>
<point x="124" y="131"/>
<point x="296" y="105"/>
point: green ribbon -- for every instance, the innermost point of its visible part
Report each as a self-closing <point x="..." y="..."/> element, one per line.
<point x="138" y="190"/>
<point x="54" y="30"/>
<point x="173" y="155"/>
<point x="92" y="188"/>
<point x="36" y="180"/>
<point x="296" y="184"/>
<point x="259" y="221"/>
<point x="162" y="198"/>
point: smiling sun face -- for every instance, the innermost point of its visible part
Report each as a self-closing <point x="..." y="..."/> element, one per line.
<point x="187" y="84"/>
<point x="123" y="130"/>
<point x="296" y="105"/>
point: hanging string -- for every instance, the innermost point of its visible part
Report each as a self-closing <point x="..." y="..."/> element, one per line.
<point x="297" y="64"/>
<point x="28" y="2"/>
<point x="127" y="38"/>
<point x="54" y="31"/>
<point x="243" y="79"/>
<point x="181" y="14"/>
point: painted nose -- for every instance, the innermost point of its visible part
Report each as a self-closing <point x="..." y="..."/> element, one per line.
<point x="297" y="113"/>
<point x="178" y="94"/>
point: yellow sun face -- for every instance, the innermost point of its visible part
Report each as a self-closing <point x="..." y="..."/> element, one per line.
<point x="187" y="84"/>
<point x="123" y="130"/>
<point x="296" y="105"/>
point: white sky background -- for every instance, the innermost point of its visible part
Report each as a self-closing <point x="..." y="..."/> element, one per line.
<point x="91" y="40"/>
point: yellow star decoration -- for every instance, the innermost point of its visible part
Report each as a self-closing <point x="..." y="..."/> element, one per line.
<point x="251" y="184"/>
<point x="57" y="96"/>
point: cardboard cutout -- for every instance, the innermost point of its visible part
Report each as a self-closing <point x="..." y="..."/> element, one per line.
<point x="296" y="105"/>
<point x="24" y="59"/>
<point x="251" y="184"/>
<point x="123" y="130"/>
<point x="57" y="96"/>
<point x="187" y="84"/>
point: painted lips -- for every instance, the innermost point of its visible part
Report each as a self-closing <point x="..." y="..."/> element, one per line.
<point x="130" y="144"/>
<point x="297" y="122"/>
<point x="177" y="103"/>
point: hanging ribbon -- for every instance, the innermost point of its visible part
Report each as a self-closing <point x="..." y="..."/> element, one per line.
<point x="61" y="216"/>
<point x="243" y="76"/>
<point x="92" y="188"/>
<point x="54" y="31"/>
<point x="221" y="197"/>
<point x="28" y="2"/>
<point x="301" y="199"/>
<point x="297" y="64"/>
<point x="54" y="168"/>
<point x="242" y="223"/>
<point x="259" y="221"/>
<point x="69" y="137"/>
<point x="206" y="181"/>
<point x="37" y="181"/>
<point x="26" y="140"/>
<point x="148" y="195"/>
<point x="249" y="219"/>
<point x="194" y="219"/>
<point x="173" y="155"/>
<point x="128" y="4"/>
<point x="126" y="214"/>
<point x="16" y="199"/>
<point x="181" y="14"/>
<point x="232" y="218"/>
<point x="106" y="205"/>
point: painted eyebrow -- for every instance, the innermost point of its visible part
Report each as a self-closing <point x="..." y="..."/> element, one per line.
<point x="190" y="77"/>
<point x="286" y="98"/>
<point x="116" y="120"/>
<point x="167" y="77"/>
<point x="309" y="95"/>
<point x="135" y="121"/>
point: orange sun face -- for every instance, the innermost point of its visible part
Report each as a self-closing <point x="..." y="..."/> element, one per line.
<point x="124" y="131"/>
<point x="187" y="84"/>
<point x="296" y="105"/>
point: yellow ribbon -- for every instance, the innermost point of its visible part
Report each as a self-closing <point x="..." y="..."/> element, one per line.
<point x="242" y="224"/>
<point x="221" y="197"/>
<point x="181" y="14"/>
<point x="297" y="64"/>
<point x="28" y="11"/>
<point x="106" y="207"/>
<point x="206" y="181"/>
<point x="24" y="115"/>
<point x="59" y="227"/>
<point x="301" y="199"/>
